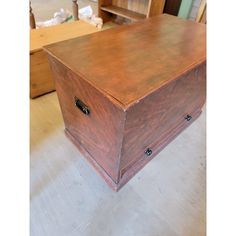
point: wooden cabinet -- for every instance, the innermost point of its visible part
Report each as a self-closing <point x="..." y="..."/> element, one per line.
<point x="125" y="93"/>
<point x="130" y="9"/>
<point x="41" y="81"/>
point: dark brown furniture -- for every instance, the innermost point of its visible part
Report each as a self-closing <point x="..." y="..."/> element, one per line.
<point x="172" y="7"/>
<point x="125" y="93"/>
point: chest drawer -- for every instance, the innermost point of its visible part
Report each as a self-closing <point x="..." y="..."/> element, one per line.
<point x="150" y="120"/>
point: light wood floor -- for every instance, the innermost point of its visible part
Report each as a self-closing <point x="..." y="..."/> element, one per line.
<point x="68" y="198"/>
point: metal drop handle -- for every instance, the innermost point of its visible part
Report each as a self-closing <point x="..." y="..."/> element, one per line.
<point x="188" y="117"/>
<point x="148" y="152"/>
<point x="84" y="108"/>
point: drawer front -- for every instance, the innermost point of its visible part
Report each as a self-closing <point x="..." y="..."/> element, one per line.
<point x="157" y="115"/>
<point x="94" y="121"/>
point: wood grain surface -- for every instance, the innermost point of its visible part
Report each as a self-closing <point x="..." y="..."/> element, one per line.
<point x="130" y="9"/>
<point x="130" y="112"/>
<point x="134" y="16"/>
<point x="155" y="7"/>
<point x="41" y="81"/>
<point x="151" y="53"/>
<point x="48" y="35"/>
<point x="100" y="132"/>
<point x="148" y="121"/>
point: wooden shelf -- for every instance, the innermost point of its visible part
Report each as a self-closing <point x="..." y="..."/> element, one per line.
<point x="134" y="16"/>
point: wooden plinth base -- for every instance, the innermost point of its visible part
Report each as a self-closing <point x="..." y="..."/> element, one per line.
<point x="159" y="145"/>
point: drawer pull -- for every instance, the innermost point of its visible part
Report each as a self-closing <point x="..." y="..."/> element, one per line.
<point x="82" y="106"/>
<point x="148" y="152"/>
<point x="188" y="117"/>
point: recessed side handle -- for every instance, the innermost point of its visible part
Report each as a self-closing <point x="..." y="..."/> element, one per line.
<point x="84" y="108"/>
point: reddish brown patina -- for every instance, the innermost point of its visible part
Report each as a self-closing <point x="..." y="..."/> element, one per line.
<point x="136" y="87"/>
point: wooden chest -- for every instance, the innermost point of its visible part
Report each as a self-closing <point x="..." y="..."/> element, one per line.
<point x="41" y="81"/>
<point x="125" y="93"/>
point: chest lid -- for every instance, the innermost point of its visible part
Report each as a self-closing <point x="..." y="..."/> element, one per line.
<point x="129" y="62"/>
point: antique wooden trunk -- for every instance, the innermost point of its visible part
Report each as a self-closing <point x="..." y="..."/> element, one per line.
<point x="125" y="93"/>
